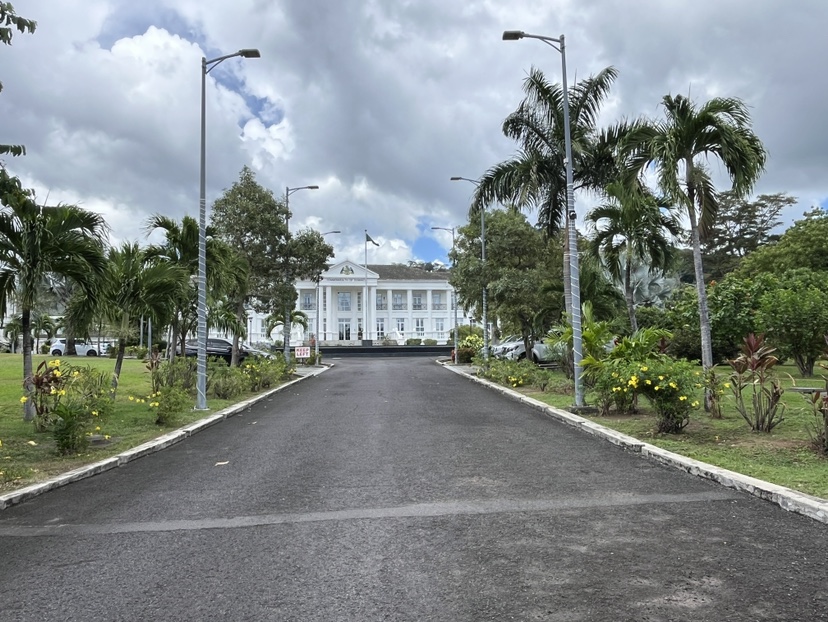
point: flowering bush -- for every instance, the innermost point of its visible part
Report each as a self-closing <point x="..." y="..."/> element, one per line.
<point x="227" y="382"/>
<point x="752" y="375"/>
<point x="507" y="372"/>
<point x="264" y="373"/>
<point x="167" y="402"/>
<point x="48" y="387"/>
<point x="669" y="385"/>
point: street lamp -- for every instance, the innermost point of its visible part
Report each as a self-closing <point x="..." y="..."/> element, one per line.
<point x="454" y="289"/>
<point x="575" y="283"/>
<point x="483" y="259"/>
<point x="288" y="320"/>
<point x="201" y="369"/>
<point x="318" y="306"/>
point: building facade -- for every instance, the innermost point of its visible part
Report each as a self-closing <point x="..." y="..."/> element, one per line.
<point x="404" y="302"/>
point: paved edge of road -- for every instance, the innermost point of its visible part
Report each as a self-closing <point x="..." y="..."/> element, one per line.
<point x="786" y="498"/>
<point x="150" y="447"/>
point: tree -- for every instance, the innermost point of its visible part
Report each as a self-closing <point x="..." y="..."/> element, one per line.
<point x="741" y="227"/>
<point x="632" y="227"/>
<point x="39" y="241"/>
<point x="803" y="245"/>
<point x="133" y="286"/>
<point x="9" y="21"/>
<point x="676" y="146"/>
<point x="535" y="177"/>
<point x="42" y="323"/>
<point x="517" y="281"/>
<point x="180" y="248"/>
<point x="795" y="317"/>
<point x="251" y="220"/>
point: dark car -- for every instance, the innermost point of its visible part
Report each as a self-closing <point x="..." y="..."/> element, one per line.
<point x="221" y="348"/>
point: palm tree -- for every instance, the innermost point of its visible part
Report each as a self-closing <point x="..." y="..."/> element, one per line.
<point x="535" y="177"/>
<point x="632" y="227"/>
<point x="274" y="320"/>
<point x="180" y="248"/>
<point x="37" y="242"/>
<point x="136" y="286"/>
<point x="676" y="146"/>
<point x="12" y="331"/>
<point x="43" y="323"/>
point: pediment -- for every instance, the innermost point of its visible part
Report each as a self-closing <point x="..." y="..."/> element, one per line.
<point x="347" y="270"/>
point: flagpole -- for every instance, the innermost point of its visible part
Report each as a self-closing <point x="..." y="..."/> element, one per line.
<point x="365" y="295"/>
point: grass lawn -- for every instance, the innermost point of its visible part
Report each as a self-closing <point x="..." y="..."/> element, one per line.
<point x="27" y="456"/>
<point x="784" y="456"/>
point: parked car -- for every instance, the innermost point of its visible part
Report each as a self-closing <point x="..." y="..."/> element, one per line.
<point x="508" y="343"/>
<point x="58" y="346"/>
<point x="223" y="348"/>
<point x="541" y="353"/>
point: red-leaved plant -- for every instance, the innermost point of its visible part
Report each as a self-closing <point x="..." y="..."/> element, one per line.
<point x="752" y="375"/>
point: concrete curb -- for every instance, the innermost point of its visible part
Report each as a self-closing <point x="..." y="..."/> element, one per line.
<point x="150" y="447"/>
<point x="786" y="498"/>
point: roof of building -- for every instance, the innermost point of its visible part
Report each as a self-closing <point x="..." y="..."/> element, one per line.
<point x="400" y="272"/>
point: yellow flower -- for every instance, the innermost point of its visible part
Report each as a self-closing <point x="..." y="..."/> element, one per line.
<point x="57" y="373"/>
<point x="75" y="373"/>
<point x="726" y="385"/>
<point x="682" y="398"/>
<point x="645" y="368"/>
<point x="53" y="391"/>
<point x="24" y="399"/>
<point x="131" y="399"/>
<point x="648" y="381"/>
<point x="694" y="404"/>
<point x="97" y="428"/>
<point x="62" y="392"/>
<point x="107" y="437"/>
<point x="615" y="374"/>
<point x="94" y="413"/>
<point x="656" y="388"/>
<point x="673" y="385"/>
<point x="661" y="377"/>
<point x="697" y="373"/>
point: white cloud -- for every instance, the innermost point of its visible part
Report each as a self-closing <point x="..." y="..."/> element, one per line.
<point x="378" y="103"/>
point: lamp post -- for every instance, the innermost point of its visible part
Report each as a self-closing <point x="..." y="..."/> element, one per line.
<point x="319" y="306"/>
<point x="288" y="319"/>
<point x="559" y="44"/>
<point x="483" y="259"/>
<point x="454" y="289"/>
<point x="201" y="369"/>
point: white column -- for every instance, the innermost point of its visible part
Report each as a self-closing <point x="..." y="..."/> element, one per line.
<point x="389" y="297"/>
<point x="372" y="314"/>
<point x="329" y="311"/>
<point x="429" y="334"/>
<point x="409" y="324"/>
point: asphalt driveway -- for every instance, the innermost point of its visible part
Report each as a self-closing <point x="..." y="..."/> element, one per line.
<point x="396" y="490"/>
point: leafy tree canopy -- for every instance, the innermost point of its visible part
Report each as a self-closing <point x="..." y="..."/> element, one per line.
<point x="9" y="22"/>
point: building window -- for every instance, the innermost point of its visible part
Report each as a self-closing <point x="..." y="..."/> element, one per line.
<point x="419" y="326"/>
<point x="401" y="326"/>
<point x="380" y="327"/>
<point x="359" y="301"/>
<point x="382" y="302"/>
<point x="417" y="301"/>
<point x="398" y="303"/>
<point x="262" y="325"/>
<point x="344" y="329"/>
<point x="308" y="303"/>
<point x="344" y="299"/>
<point x="437" y="301"/>
<point x="440" y="327"/>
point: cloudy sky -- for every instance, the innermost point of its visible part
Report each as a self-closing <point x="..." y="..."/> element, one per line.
<point x="378" y="102"/>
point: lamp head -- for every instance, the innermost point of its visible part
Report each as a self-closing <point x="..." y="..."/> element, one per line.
<point x="456" y="178"/>
<point x="512" y="35"/>
<point x="313" y="187"/>
<point x="250" y="53"/>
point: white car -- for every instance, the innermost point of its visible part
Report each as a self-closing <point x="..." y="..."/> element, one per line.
<point x="58" y="347"/>
<point x="541" y="353"/>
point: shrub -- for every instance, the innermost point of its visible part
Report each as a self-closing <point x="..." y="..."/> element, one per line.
<point x="465" y="355"/>
<point x="227" y="382"/>
<point x="508" y="372"/>
<point x="669" y="386"/>
<point x="181" y="372"/>
<point x="263" y="373"/>
<point x="71" y="421"/>
<point x="429" y="342"/>
<point x="818" y="429"/>
<point x="752" y="375"/>
<point x="413" y="341"/>
<point x="169" y="402"/>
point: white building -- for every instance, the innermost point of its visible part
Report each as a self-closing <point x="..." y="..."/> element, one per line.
<point x="403" y="302"/>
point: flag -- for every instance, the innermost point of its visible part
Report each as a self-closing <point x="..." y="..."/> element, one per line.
<point x="368" y="239"/>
